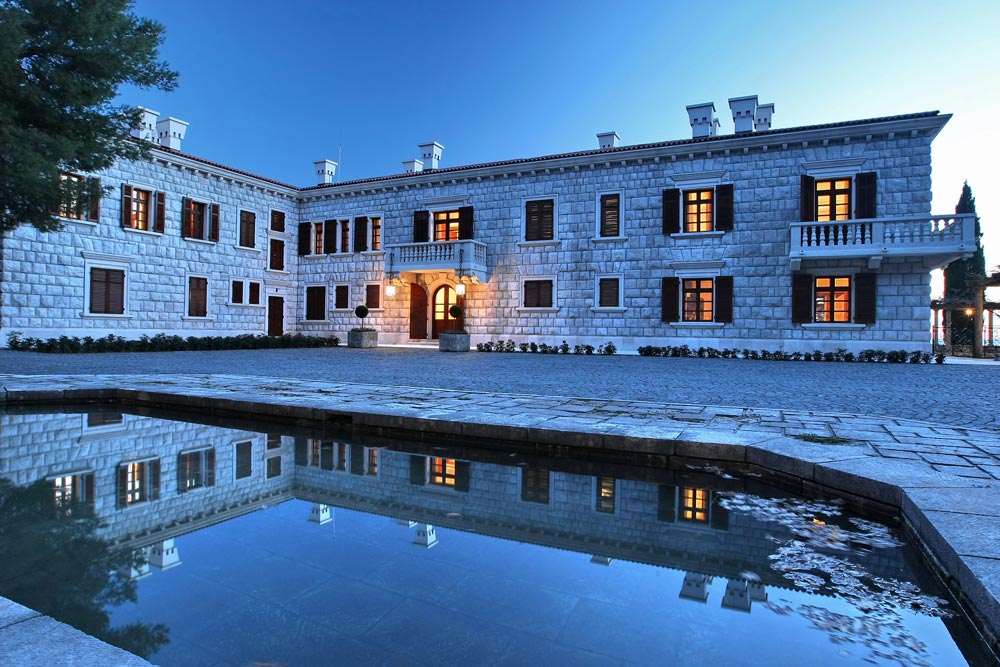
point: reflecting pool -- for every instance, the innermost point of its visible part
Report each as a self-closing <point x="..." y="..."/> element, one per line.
<point x="207" y="544"/>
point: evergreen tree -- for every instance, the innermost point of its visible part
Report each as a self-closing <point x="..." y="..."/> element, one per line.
<point x="959" y="274"/>
<point x="61" y="64"/>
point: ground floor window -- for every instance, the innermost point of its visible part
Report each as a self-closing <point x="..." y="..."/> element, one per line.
<point x="244" y="459"/>
<point x="197" y="296"/>
<point x="694" y="505"/>
<point x="107" y="291"/>
<point x="537" y="294"/>
<point x="195" y="470"/>
<point x="341" y="297"/>
<point x="373" y="296"/>
<point x="245" y="292"/>
<point x="699" y="299"/>
<point x="442" y="472"/>
<point x="832" y="299"/>
<point x="609" y="292"/>
<point x="138" y="482"/>
<point x="535" y="485"/>
<point x="316" y="302"/>
<point x="606" y="492"/>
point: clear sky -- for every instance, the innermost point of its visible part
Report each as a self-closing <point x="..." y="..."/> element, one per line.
<point x="270" y="87"/>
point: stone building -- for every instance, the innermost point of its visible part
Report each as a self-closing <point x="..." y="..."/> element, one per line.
<point x="802" y="238"/>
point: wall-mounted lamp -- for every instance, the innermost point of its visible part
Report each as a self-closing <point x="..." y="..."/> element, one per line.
<point x="390" y="290"/>
<point x="460" y="289"/>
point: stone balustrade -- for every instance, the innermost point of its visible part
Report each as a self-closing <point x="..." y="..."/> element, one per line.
<point x="467" y="256"/>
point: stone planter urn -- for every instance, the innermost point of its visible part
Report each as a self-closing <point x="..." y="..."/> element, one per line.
<point x="362" y="338"/>
<point x="453" y="341"/>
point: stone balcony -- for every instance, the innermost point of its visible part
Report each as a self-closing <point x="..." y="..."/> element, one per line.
<point x="937" y="239"/>
<point x="466" y="258"/>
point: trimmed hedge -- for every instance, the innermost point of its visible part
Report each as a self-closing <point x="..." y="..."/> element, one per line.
<point x="164" y="343"/>
<point x="545" y="348"/>
<point x="865" y="356"/>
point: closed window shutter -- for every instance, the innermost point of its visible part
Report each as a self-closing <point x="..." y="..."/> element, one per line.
<point x="724" y="207"/>
<point x="304" y="238"/>
<point x="314" y="302"/>
<point x="277" y="259"/>
<point x="421" y="226"/>
<point x="372" y="294"/>
<point x="724" y="299"/>
<point x="159" y="215"/>
<point x="126" y="205"/>
<point x="670" y="300"/>
<point x="608" y="297"/>
<point x="210" y="467"/>
<point x="121" y="486"/>
<point x="94" y="208"/>
<point x="330" y="237"/>
<point x="539" y="220"/>
<point x="357" y="460"/>
<point x="248" y="229"/>
<point x="808" y="200"/>
<point x="154" y="479"/>
<point x="864" y="298"/>
<point x="98" y="290"/>
<point x="187" y="218"/>
<point x="301" y="452"/>
<point x="340" y="297"/>
<point x="277" y="221"/>
<point x="237" y="292"/>
<point x="719" y="515"/>
<point x="213" y="232"/>
<point x="866" y="190"/>
<point x="545" y="294"/>
<point x="462" y="475"/>
<point x="360" y="234"/>
<point x="671" y="213"/>
<point x="116" y="292"/>
<point x="666" y="506"/>
<point x="610" y="215"/>
<point x="465" y="222"/>
<point x="255" y="294"/>
<point x="802" y="298"/>
<point x="418" y="470"/>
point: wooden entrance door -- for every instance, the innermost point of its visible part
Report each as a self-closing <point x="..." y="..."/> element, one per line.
<point x="275" y="315"/>
<point x="418" y="312"/>
<point x="444" y="299"/>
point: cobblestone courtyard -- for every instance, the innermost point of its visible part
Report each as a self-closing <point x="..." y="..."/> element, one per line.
<point x="957" y="395"/>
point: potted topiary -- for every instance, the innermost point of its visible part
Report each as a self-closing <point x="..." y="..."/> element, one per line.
<point x="362" y="336"/>
<point x="456" y="340"/>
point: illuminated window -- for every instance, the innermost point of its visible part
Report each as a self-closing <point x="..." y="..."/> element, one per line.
<point x="698" y="299"/>
<point x="371" y="461"/>
<point x="698" y="211"/>
<point x="376" y="233"/>
<point x="694" y="505"/>
<point x="74" y="208"/>
<point x="833" y="299"/>
<point x="317" y="245"/>
<point x="833" y="199"/>
<point x="244" y="459"/>
<point x="196" y="223"/>
<point x="73" y="494"/>
<point x="195" y="470"/>
<point x="345" y="236"/>
<point x="446" y="225"/>
<point x="442" y="472"/>
<point x="606" y="495"/>
<point x="138" y="482"/>
<point x="535" y="485"/>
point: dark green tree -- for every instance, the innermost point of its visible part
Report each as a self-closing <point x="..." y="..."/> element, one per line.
<point x="959" y="274"/>
<point x="61" y="64"/>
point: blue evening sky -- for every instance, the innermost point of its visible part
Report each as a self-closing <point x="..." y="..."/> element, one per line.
<point x="270" y="87"/>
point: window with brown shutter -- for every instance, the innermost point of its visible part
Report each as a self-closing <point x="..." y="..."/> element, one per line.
<point x="236" y="292"/>
<point x="807" y="199"/>
<point x="277" y="221"/>
<point x="724" y="207"/>
<point x="610" y="215"/>
<point x="316" y="302"/>
<point x="607" y="292"/>
<point x="213" y="231"/>
<point x="76" y="207"/>
<point x="724" y="299"/>
<point x="137" y="208"/>
<point x="537" y="294"/>
<point x="276" y="255"/>
<point x="699" y="298"/>
<point x="160" y="213"/>
<point x="466" y="229"/>
<point x="360" y="234"/>
<point x="324" y="237"/>
<point x="833" y="199"/>
<point x="539" y="220"/>
<point x="802" y="305"/>
<point x="671" y="211"/>
<point x="866" y="191"/>
<point x="248" y="229"/>
<point x="305" y="238"/>
<point x="107" y="291"/>
<point x="340" y="297"/>
<point x="345" y="236"/>
<point x="197" y="296"/>
<point x="864" y="298"/>
<point x="535" y="485"/>
<point x="669" y="302"/>
<point x="254" y="293"/>
<point x="376" y="234"/>
<point x="373" y="294"/>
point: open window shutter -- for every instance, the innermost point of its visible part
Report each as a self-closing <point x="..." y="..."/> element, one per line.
<point x="418" y="469"/>
<point x="94" y="210"/>
<point x="304" y="239"/>
<point x="159" y="215"/>
<point x="719" y="516"/>
<point x="120" y="484"/>
<point x="357" y="459"/>
<point x="866" y="192"/>
<point x="187" y="218"/>
<point x="670" y="300"/>
<point x="330" y="237"/>
<point x="671" y="211"/>
<point x="666" y="507"/>
<point x="864" y="298"/>
<point x="301" y="452"/>
<point x="724" y="207"/>
<point x="724" y="299"/>
<point x="180" y="478"/>
<point x="210" y="467"/>
<point x="808" y="199"/>
<point x="421" y="226"/>
<point x="361" y="234"/>
<point x="126" y="205"/>
<point x="462" y="473"/>
<point x="465" y="230"/>
<point x="213" y="232"/>
<point x="154" y="479"/>
<point x="802" y="298"/>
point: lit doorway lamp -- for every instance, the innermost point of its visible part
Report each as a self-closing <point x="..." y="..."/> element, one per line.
<point x="393" y="276"/>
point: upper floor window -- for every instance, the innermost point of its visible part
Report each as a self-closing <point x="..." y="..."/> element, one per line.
<point x="446" y="225"/>
<point x="277" y="221"/>
<point x="376" y="225"/>
<point x="199" y="220"/>
<point x="244" y="459"/>
<point x="609" y="224"/>
<point x="833" y="199"/>
<point x="72" y="205"/>
<point x="698" y="210"/>
<point x="607" y="488"/>
<point x="143" y="209"/>
<point x="539" y="220"/>
<point x="535" y="483"/>
<point x="72" y="493"/>
<point x="138" y="482"/>
<point x="318" y="240"/>
<point x="276" y="255"/>
<point x="195" y="470"/>
<point x="537" y="294"/>
<point x="248" y="229"/>
<point x="345" y="236"/>
<point x="839" y="198"/>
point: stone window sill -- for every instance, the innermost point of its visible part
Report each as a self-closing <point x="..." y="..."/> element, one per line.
<point x="247" y="248"/>
<point x="76" y="221"/>
<point x="536" y="244"/>
<point x="314" y="321"/>
<point x="697" y="235"/>
<point x="372" y="253"/>
<point x="281" y="271"/>
<point x="106" y="316"/>
<point x="522" y="309"/>
<point x="201" y="241"/>
<point x="848" y="326"/>
<point x="698" y="325"/>
<point x="608" y="239"/>
<point x="144" y="232"/>
<point x="606" y="309"/>
<point x="247" y="305"/>
<point x="193" y="318"/>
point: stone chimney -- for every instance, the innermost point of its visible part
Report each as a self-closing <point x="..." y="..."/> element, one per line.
<point x="430" y="153"/>
<point x="412" y="166"/>
<point x="762" y="119"/>
<point x="325" y="171"/>
<point x="147" y="126"/>
<point x="702" y="117"/>
<point x="171" y="131"/>
<point x="608" y="140"/>
<point x="744" y="112"/>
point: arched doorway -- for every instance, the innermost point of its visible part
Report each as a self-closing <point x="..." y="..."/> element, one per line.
<point x="444" y="299"/>
<point x="418" y="312"/>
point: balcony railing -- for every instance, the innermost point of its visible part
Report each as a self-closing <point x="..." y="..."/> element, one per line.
<point x="937" y="238"/>
<point x="467" y="257"/>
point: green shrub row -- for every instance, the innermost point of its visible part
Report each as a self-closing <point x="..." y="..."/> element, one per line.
<point x="865" y="356"/>
<point x="164" y="343"/>
<point x="545" y="348"/>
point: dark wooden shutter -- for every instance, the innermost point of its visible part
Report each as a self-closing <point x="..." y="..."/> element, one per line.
<point x="802" y="298"/>
<point x="418" y="469"/>
<point x="807" y="208"/>
<point x="670" y="300"/>
<point x="671" y="211"/>
<point x="330" y="237"/>
<point x="187" y="218"/>
<point x="864" y="298"/>
<point x="121" y="483"/>
<point x="315" y="302"/>
<point x="421" y="226"/>
<point x="724" y="208"/>
<point x="462" y="474"/>
<point x="373" y="295"/>
<point x="666" y="505"/>
<point x="98" y="290"/>
<point x="608" y="293"/>
<point x="357" y="459"/>
<point x="276" y="262"/>
<point x="340" y="297"/>
<point x="301" y="452"/>
<point x="610" y="224"/>
<point x="126" y="205"/>
<point x="254" y="294"/>
<point x="116" y="292"/>
<point x="539" y="220"/>
<point x="304" y="238"/>
<point x="237" y="292"/>
<point x="866" y="194"/>
<point x="210" y="467"/>
<point x="181" y="482"/>
<point x="94" y="208"/>
<point x="154" y="479"/>
<point x="465" y="225"/>
<point x="545" y="299"/>
<point x="213" y="232"/>
<point x="361" y="234"/>
<point x="724" y="299"/>
<point x="277" y="221"/>
<point x="159" y="215"/>
<point x="719" y="516"/>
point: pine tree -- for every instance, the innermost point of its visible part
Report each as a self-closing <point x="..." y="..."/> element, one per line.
<point x="960" y="273"/>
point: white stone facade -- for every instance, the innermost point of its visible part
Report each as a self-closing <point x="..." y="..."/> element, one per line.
<point x="45" y="275"/>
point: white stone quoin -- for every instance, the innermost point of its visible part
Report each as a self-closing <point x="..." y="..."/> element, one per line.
<point x="702" y="119"/>
<point x="430" y="153"/>
<point x="608" y="140"/>
<point x="171" y="131"/>
<point x="326" y="171"/>
<point x="744" y="110"/>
